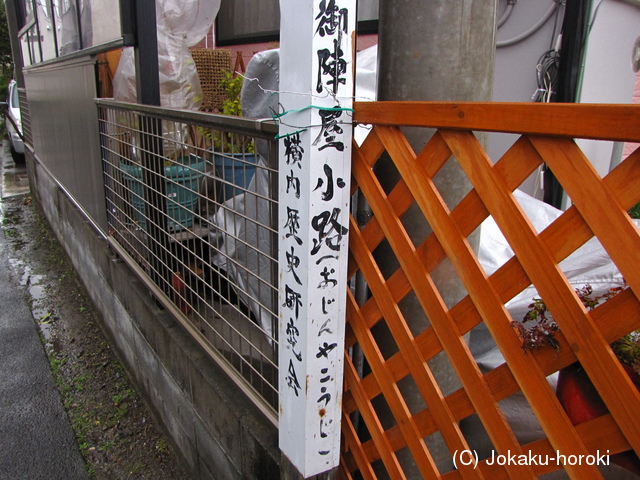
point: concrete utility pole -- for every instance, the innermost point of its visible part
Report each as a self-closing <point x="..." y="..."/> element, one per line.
<point x="436" y="50"/>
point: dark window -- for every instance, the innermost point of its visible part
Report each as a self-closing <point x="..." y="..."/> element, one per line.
<point x="254" y="21"/>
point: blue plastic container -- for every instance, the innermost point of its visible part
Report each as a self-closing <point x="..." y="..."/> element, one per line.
<point x="236" y="171"/>
<point x="181" y="187"/>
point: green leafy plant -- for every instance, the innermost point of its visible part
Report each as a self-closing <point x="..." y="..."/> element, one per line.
<point x="627" y="350"/>
<point x="232" y="86"/>
<point x="226" y="141"/>
<point x="634" y="212"/>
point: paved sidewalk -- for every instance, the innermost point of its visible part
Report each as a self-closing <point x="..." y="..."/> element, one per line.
<point x="36" y="439"/>
<point x="13" y="178"/>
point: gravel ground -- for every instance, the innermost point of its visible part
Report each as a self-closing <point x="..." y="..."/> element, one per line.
<point x="116" y="432"/>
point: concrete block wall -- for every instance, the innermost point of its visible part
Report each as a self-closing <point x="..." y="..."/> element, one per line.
<point x="218" y="432"/>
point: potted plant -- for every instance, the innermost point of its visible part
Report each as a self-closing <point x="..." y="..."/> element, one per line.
<point x="234" y="155"/>
<point x="576" y="393"/>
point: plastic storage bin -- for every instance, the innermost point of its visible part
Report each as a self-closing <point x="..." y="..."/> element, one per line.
<point x="181" y="187"/>
<point x="237" y="171"/>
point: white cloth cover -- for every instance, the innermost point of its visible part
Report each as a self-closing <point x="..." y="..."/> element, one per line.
<point x="181" y="24"/>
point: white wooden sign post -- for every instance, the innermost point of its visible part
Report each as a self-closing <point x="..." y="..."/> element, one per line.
<point x="316" y="92"/>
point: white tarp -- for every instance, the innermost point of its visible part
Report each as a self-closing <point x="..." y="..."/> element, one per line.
<point x="181" y="24"/>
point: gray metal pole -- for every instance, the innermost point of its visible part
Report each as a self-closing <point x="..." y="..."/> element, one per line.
<point x="147" y="77"/>
<point x="435" y="50"/>
<point x="152" y="156"/>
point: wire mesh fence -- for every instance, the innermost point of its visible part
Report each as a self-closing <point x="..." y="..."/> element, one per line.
<point x="192" y="202"/>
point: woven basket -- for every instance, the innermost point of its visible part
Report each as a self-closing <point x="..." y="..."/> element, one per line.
<point x="211" y="65"/>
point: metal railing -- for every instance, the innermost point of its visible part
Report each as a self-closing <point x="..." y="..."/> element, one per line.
<point x="192" y="207"/>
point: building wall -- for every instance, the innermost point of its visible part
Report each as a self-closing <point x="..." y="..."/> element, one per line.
<point x="630" y="147"/>
<point x="608" y="75"/>
<point x="515" y="70"/>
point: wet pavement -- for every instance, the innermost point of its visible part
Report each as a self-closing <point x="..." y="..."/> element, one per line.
<point x="36" y="438"/>
<point x="14" y="179"/>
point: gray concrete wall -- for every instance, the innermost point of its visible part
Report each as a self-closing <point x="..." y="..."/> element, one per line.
<point x="217" y="431"/>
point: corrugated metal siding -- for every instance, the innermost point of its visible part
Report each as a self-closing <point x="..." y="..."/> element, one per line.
<point x="64" y="130"/>
<point x="25" y="117"/>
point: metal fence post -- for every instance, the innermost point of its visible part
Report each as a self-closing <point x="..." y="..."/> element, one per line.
<point x="152" y="154"/>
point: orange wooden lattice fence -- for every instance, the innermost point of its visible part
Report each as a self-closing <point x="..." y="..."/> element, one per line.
<point x="377" y="444"/>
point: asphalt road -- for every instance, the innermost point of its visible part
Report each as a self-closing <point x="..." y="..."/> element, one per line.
<point x="36" y="439"/>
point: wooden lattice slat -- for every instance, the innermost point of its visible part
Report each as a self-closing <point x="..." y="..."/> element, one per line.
<point x="603" y="122"/>
<point x="384" y="449"/>
<point x="392" y="393"/>
<point x="435" y="307"/>
<point x="491" y="308"/>
<point x="375" y="428"/>
<point x="584" y="335"/>
<point x="620" y="237"/>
